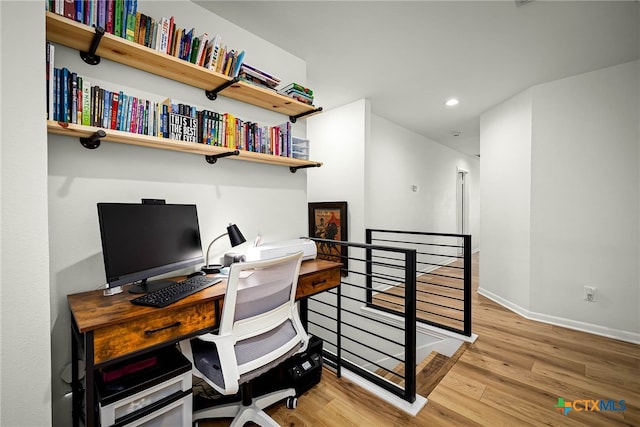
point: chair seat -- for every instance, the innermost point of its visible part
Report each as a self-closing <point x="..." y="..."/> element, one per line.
<point x="207" y="360"/>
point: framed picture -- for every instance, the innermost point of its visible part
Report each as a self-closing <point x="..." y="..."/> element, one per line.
<point x="328" y="220"/>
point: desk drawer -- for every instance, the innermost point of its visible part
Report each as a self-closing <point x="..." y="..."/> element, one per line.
<point x="311" y="284"/>
<point x="163" y="326"/>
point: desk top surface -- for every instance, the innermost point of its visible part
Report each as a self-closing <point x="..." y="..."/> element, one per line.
<point x="92" y="310"/>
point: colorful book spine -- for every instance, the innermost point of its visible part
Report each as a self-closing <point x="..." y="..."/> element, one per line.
<point x="100" y="107"/>
<point x="73" y="95"/>
<point x="56" y="94"/>
<point x="50" y="80"/>
<point x="117" y="17"/>
<point x="114" y="110"/>
<point x="80" y="11"/>
<point x="86" y="102"/>
<point x="79" y="101"/>
<point x="110" y="16"/>
<point x="106" y="116"/>
<point x="121" y="101"/>
<point x="65" y="117"/>
<point x="102" y="14"/>
<point x="69" y="9"/>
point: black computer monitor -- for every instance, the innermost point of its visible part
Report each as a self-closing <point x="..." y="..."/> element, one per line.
<point x="140" y="241"/>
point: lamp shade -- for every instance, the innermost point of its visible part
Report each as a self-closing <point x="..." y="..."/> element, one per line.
<point x="235" y="236"/>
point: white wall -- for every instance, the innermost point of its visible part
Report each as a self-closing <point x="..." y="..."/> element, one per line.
<point x="25" y="341"/>
<point x="579" y="136"/>
<point x="66" y="258"/>
<point x="505" y="191"/>
<point x="374" y="163"/>
<point x="339" y="138"/>
<point x="397" y="159"/>
<point x="584" y="199"/>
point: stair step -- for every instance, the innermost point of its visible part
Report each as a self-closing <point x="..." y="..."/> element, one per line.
<point x="432" y="362"/>
<point x="428" y="378"/>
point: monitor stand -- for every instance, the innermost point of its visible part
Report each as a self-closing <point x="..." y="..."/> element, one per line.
<point x="112" y="291"/>
<point x="145" y="287"/>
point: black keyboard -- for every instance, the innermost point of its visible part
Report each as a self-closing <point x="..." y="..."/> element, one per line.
<point x="173" y="293"/>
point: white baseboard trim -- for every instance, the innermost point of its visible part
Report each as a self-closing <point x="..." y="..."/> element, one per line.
<point x="432" y="330"/>
<point x="591" y="328"/>
<point x="410" y="408"/>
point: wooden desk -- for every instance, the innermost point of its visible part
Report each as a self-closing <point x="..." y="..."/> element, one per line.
<point x="111" y="329"/>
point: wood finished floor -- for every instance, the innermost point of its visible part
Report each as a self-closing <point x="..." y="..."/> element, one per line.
<point x="512" y="375"/>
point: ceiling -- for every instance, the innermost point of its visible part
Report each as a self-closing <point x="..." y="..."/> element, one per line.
<point x="408" y="57"/>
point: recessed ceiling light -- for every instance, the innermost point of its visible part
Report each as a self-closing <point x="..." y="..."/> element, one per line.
<point x="451" y="102"/>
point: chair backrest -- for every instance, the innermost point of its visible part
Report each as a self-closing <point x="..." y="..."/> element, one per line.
<point x="259" y="311"/>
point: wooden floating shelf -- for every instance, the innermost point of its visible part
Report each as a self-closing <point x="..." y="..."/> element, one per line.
<point x="78" y="36"/>
<point x="80" y="131"/>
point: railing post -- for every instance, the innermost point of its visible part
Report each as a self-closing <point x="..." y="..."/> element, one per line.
<point x="467" y="284"/>
<point x="410" y="326"/>
<point x="369" y="268"/>
<point x="339" y="331"/>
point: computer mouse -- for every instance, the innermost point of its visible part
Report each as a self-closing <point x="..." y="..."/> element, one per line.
<point x="196" y="273"/>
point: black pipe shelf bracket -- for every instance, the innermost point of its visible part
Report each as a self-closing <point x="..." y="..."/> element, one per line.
<point x="92" y="142"/>
<point x="213" y="158"/>
<point x="294" y="169"/>
<point x="90" y="57"/>
<point x="295" y="118"/>
<point x="213" y="93"/>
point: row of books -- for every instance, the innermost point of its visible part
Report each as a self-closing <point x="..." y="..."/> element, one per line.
<point x="123" y="19"/>
<point x="187" y="123"/>
<point x="227" y="130"/>
<point x="116" y="17"/>
<point x="76" y="100"/>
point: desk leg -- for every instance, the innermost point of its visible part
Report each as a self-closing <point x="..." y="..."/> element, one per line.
<point x="304" y="312"/>
<point x="77" y="401"/>
<point x="76" y="387"/>
<point x="90" y="404"/>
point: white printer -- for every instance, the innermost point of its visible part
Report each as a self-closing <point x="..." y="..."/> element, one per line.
<point x="285" y="247"/>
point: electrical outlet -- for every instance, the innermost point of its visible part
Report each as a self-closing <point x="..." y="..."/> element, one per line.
<point x="590" y="293"/>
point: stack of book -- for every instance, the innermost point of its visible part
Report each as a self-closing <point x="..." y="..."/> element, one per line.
<point x="258" y="77"/>
<point x="298" y="92"/>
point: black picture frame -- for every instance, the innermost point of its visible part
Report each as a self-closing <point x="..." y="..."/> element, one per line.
<point x="328" y="220"/>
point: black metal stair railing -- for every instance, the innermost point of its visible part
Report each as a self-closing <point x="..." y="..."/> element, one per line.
<point x="391" y="282"/>
<point x="379" y="350"/>
<point x="443" y="277"/>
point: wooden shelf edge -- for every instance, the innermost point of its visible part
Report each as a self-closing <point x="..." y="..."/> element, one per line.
<point x="79" y="36"/>
<point x="80" y="131"/>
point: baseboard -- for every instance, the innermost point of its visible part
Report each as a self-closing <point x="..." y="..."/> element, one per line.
<point x="591" y="328"/>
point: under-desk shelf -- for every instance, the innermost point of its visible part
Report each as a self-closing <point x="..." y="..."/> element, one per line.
<point x="80" y="131"/>
<point x="79" y="36"/>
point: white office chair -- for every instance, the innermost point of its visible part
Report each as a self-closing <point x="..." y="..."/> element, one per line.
<point x="259" y="328"/>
